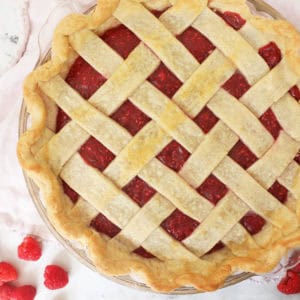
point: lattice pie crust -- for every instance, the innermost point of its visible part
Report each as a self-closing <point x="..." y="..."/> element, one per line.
<point x="50" y="157"/>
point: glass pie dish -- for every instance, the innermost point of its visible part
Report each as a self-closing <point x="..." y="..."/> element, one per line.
<point x="74" y="248"/>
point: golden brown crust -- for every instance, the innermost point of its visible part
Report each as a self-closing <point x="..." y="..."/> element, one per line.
<point x="112" y="260"/>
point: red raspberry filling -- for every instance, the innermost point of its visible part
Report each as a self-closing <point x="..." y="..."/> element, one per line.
<point x="212" y="189"/>
<point x="295" y="92"/>
<point x="233" y="19"/>
<point x="206" y="120"/>
<point x="139" y="191"/>
<point x="62" y="119"/>
<point x="174" y="156"/>
<point x="253" y="223"/>
<point x="103" y="225"/>
<point x="237" y="85"/>
<point x="216" y="247"/>
<point x="165" y="81"/>
<point x="179" y="225"/>
<point x="143" y="252"/>
<point x="242" y="155"/>
<point x="84" y="78"/>
<point x="95" y="154"/>
<point x="130" y="117"/>
<point x="196" y="43"/>
<point x="70" y="192"/>
<point x="121" y="39"/>
<point x="157" y="13"/>
<point x="269" y="120"/>
<point x="271" y="54"/>
<point x="279" y="192"/>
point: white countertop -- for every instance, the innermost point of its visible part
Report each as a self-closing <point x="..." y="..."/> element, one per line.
<point x="16" y="206"/>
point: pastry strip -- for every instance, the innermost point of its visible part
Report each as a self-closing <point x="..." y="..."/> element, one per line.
<point x="167" y="115"/>
<point x="230" y="42"/>
<point x="140" y="64"/>
<point x="113" y="136"/>
<point x="288" y="177"/>
<point x="245" y="124"/>
<point x="261" y="201"/>
<point x="155" y="35"/>
<point x="200" y="87"/>
<point x="287" y="111"/>
<point x="105" y="196"/>
<point x="176" y="21"/>
<point x="174" y="188"/>
<point x="145" y="222"/>
<point x="214" y="227"/>
<point x="95" y="52"/>
<point x="270" y="88"/>
<point x="282" y="152"/>
<point x="221" y="139"/>
<point x="133" y="158"/>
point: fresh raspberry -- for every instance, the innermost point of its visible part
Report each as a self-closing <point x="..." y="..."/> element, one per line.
<point x="296" y="269"/>
<point x="55" y="277"/>
<point x="25" y="292"/>
<point x="295" y="261"/>
<point x="29" y="249"/>
<point x="7" y="272"/>
<point x="290" y="284"/>
<point x="7" y="291"/>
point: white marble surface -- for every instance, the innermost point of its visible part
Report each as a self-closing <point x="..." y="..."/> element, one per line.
<point x="17" y="210"/>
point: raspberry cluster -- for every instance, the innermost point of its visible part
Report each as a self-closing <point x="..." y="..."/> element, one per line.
<point x="30" y="249"/>
<point x="290" y="284"/>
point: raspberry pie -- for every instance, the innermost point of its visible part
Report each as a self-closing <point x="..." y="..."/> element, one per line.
<point x="165" y="139"/>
